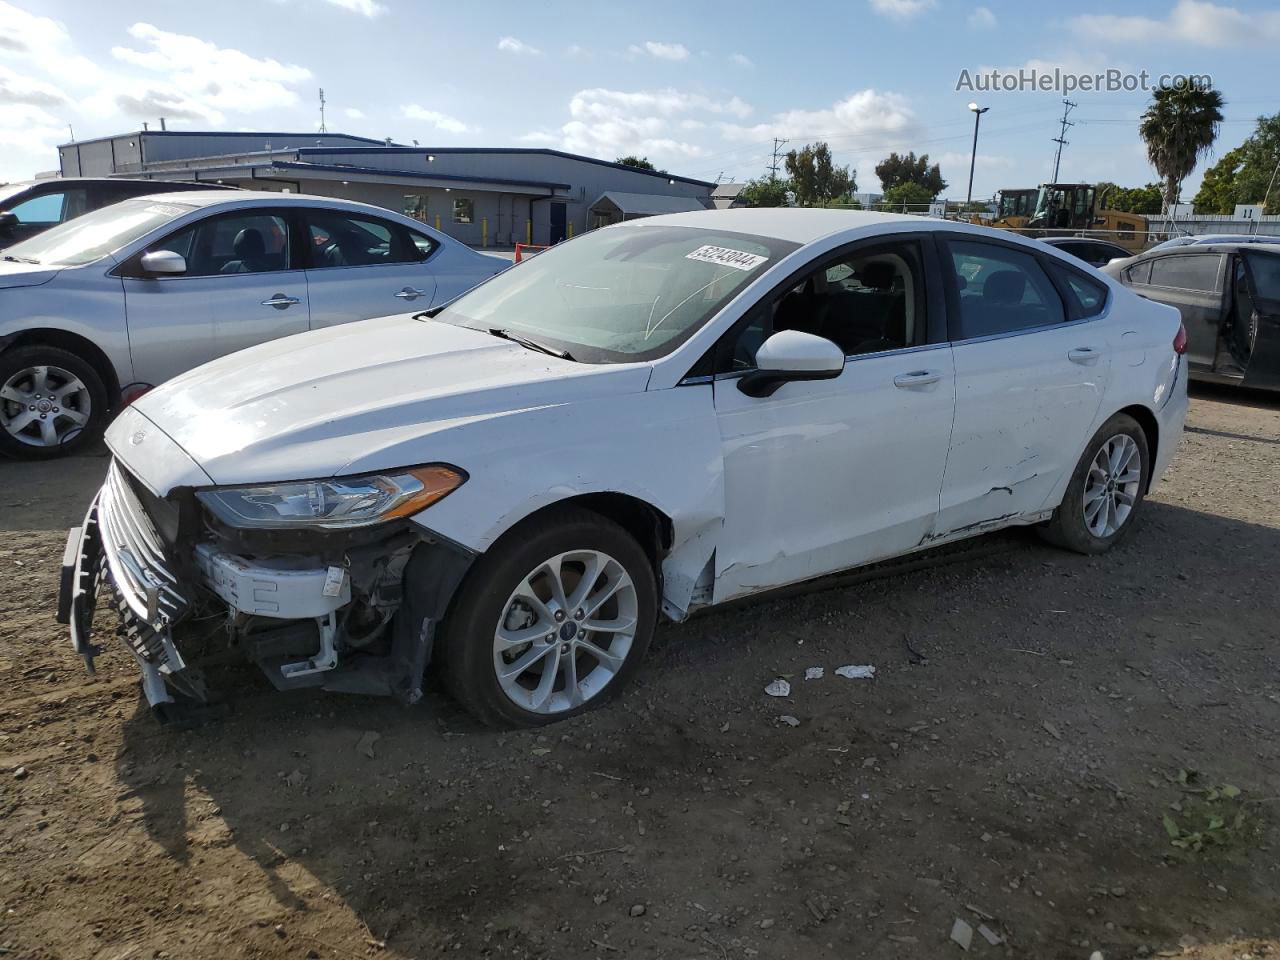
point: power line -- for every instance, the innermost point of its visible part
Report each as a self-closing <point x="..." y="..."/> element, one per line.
<point x="1061" y="138"/>
<point x="778" y="144"/>
<point x="323" y="128"/>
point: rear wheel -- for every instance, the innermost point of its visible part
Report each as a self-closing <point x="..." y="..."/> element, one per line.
<point x="552" y="621"/>
<point x="52" y="402"/>
<point x="1106" y="489"/>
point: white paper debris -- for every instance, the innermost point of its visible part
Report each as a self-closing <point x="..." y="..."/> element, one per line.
<point x="814" y="673"/>
<point x="852" y="672"/>
<point x="779" y="688"/>
<point x="789" y="720"/>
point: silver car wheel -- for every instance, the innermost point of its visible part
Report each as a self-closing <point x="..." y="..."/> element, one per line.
<point x="44" y="406"/>
<point x="1111" y="488"/>
<point x="565" y="632"/>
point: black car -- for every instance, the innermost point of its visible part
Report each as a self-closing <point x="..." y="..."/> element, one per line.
<point x="1229" y="297"/>
<point x="34" y="206"/>
<point x="1096" y="253"/>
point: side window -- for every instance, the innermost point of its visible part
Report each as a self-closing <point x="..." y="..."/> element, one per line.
<point x="338" y="240"/>
<point x="1265" y="269"/>
<point x="1138" y="273"/>
<point x="464" y="210"/>
<point x="53" y="208"/>
<point x="249" y="242"/>
<point x="1187" y="272"/>
<point x="1089" y="295"/>
<point x="1001" y="290"/>
<point x="868" y="301"/>
<point x="423" y="244"/>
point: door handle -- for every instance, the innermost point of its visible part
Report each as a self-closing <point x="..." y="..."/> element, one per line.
<point x="280" y="301"/>
<point x="917" y="378"/>
<point x="1083" y="355"/>
<point x="410" y="293"/>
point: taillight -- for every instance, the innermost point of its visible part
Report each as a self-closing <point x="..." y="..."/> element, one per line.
<point x="1180" y="340"/>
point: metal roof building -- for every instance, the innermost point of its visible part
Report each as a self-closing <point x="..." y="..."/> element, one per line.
<point x="480" y="195"/>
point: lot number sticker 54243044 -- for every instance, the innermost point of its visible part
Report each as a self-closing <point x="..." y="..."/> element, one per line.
<point x="726" y="257"/>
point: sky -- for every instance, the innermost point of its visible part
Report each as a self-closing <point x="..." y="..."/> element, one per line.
<point x="700" y="89"/>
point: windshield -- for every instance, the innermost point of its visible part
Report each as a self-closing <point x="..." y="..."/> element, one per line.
<point x="10" y="190"/>
<point x="96" y="234"/>
<point x="620" y="293"/>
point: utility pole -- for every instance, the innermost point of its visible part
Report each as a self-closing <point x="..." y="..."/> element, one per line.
<point x="323" y="128"/>
<point x="1061" y="138"/>
<point x="777" y="147"/>
<point x="973" y="157"/>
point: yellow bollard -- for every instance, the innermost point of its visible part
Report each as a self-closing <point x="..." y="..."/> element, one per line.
<point x="484" y="231"/>
<point x="528" y="231"/>
<point x="570" y="231"/>
<point x="437" y="221"/>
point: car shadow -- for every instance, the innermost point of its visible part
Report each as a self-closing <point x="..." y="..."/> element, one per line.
<point x="1017" y="750"/>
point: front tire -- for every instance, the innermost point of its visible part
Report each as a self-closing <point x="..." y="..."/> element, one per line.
<point x="553" y="620"/>
<point x="52" y="403"/>
<point x="1106" y="489"/>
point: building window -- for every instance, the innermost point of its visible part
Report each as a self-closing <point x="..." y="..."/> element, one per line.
<point x="415" y="205"/>
<point x="463" y="210"/>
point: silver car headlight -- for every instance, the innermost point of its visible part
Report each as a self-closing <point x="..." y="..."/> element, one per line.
<point x="335" y="502"/>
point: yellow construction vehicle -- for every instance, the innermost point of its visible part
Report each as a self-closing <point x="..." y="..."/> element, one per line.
<point x="1067" y="209"/>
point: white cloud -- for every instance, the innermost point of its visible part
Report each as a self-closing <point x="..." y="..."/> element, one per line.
<point x="366" y="8"/>
<point x="18" y="88"/>
<point x="576" y="50"/>
<point x="982" y="18"/>
<point x="662" y="51"/>
<point x="1191" y="22"/>
<point x="353" y="113"/>
<point x="512" y="45"/>
<point x="44" y="42"/>
<point x="741" y="59"/>
<point x="902" y="9"/>
<point x="881" y="120"/>
<point x="195" y="79"/>
<point x="441" y="121"/>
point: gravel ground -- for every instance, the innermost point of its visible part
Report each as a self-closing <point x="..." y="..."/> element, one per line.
<point x="1033" y="717"/>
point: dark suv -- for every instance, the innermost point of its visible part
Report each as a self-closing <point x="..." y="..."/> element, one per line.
<point x="34" y="206"/>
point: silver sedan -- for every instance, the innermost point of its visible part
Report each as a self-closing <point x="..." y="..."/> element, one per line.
<point x="95" y="312"/>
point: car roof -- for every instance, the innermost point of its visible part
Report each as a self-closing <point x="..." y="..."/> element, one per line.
<point x="231" y="199"/>
<point x="798" y="225"/>
<point x="1058" y="241"/>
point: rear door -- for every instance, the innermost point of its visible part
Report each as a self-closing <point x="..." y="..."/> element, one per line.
<point x="242" y="287"/>
<point x="1194" y="281"/>
<point x="1031" y="367"/>
<point x="361" y="266"/>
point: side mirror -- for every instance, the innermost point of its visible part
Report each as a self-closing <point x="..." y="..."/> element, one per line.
<point x="792" y="355"/>
<point x="8" y="221"/>
<point x="163" y="261"/>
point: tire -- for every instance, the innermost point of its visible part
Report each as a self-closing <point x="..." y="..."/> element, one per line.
<point x="1071" y="527"/>
<point x="487" y="613"/>
<point x="39" y="418"/>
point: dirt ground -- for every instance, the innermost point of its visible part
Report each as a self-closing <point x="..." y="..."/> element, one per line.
<point x="1032" y="719"/>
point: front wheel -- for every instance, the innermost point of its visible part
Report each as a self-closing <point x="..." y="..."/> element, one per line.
<point x="52" y="403"/>
<point x="552" y="621"/>
<point x="1106" y="489"/>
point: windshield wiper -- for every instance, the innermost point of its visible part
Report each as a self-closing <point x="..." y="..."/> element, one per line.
<point x="530" y="344"/>
<point x="12" y="259"/>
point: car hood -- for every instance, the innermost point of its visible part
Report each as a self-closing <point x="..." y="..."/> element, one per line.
<point x="24" y="274"/>
<point x="313" y="404"/>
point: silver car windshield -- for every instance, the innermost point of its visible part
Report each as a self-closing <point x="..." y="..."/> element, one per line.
<point x="97" y="234"/>
<point x="620" y="293"/>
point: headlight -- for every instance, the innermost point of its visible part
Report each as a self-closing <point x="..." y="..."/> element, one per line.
<point x="335" y="503"/>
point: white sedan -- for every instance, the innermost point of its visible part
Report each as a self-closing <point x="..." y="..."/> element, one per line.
<point x="654" y="417"/>
<point x="99" y="309"/>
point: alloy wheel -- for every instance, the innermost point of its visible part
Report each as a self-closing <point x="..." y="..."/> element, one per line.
<point x="44" y="406"/>
<point x="565" y="632"/>
<point x="1111" y="487"/>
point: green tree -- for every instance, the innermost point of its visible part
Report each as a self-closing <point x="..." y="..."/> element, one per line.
<point x="1145" y="200"/>
<point x="765" y="192"/>
<point x="1218" y="190"/>
<point x="1179" y="127"/>
<point x="1244" y="174"/>
<point x="815" y="178"/>
<point x="910" y="195"/>
<point x="897" y="169"/>
<point x="640" y="163"/>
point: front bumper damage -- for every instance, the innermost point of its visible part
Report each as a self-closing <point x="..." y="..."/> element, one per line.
<point x="351" y="614"/>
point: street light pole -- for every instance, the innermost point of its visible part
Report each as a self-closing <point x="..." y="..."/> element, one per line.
<point x="973" y="157"/>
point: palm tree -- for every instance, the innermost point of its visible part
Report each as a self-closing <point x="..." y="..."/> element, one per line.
<point x="1179" y="128"/>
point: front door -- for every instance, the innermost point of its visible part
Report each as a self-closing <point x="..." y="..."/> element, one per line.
<point x="361" y="267"/>
<point x="825" y="475"/>
<point x="1029" y="382"/>
<point x="559" y="221"/>
<point x="241" y="287"/>
<point x="1262" y="332"/>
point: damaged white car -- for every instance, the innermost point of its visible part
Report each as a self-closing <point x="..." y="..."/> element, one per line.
<point x="652" y="418"/>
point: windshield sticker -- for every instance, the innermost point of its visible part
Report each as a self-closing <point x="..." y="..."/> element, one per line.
<point x="168" y="209"/>
<point x="726" y="257"/>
